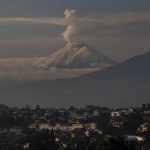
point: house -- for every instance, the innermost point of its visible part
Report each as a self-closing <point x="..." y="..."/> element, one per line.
<point x="26" y="146"/>
<point x="146" y="115"/>
<point x="122" y="111"/>
<point x="61" y="126"/>
<point x="144" y="127"/>
<point x="96" y="113"/>
<point x="45" y="126"/>
<point x="117" y="124"/>
<point x="90" y="126"/>
<point x="115" y="114"/>
<point x="135" y="138"/>
<point x="76" y="126"/>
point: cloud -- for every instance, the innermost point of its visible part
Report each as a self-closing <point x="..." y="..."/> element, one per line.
<point x="20" y="68"/>
<point x="76" y="23"/>
<point x="71" y="28"/>
<point x="69" y="13"/>
<point x="25" y="69"/>
<point x="55" y="21"/>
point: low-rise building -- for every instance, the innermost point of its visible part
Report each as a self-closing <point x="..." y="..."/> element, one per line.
<point x="145" y="127"/>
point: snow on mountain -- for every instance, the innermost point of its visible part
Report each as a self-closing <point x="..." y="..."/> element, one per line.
<point x="75" y="55"/>
<point x="74" y="60"/>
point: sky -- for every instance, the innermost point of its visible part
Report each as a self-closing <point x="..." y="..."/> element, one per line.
<point x="117" y="28"/>
<point x="120" y="29"/>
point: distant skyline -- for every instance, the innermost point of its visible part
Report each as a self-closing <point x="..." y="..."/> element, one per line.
<point x="128" y="36"/>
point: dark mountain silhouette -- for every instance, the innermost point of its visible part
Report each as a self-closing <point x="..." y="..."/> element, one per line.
<point x="124" y="84"/>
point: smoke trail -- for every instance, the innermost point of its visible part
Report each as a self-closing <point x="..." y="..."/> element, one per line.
<point x="71" y="28"/>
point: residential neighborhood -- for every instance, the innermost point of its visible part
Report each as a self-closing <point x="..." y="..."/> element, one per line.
<point x="19" y="127"/>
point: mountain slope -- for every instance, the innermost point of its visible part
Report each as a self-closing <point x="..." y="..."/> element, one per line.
<point x="124" y="84"/>
<point x="74" y="60"/>
<point x="75" y="55"/>
<point x="137" y="66"/>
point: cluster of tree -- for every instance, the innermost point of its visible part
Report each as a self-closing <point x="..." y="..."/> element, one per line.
<point x="8" y="120"/>
<point x="100" y="143"/>
<point x="145" y="106"/>
<point x="45" y="140"/>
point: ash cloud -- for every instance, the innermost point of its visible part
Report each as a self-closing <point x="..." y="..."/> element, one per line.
<point x="24" y="69"/>
<point x="77" y="23"/>
<point x="71" y="28"/>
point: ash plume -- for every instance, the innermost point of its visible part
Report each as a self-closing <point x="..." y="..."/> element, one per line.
<point x="71" y="29"/>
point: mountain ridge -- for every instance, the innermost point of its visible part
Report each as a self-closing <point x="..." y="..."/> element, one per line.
<point x="75" y="55"/>
<point x="109" y="87"/>
<point x="137" y="64"/>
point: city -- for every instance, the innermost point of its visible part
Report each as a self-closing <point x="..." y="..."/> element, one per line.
<point x="89" y="128"/>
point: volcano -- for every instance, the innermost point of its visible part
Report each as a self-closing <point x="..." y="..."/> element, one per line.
<point x="75" y="55"/>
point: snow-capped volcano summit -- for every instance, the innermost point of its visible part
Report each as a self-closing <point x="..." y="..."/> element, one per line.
<point x="74" y="60"/>
<point x="75" y="55"/>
